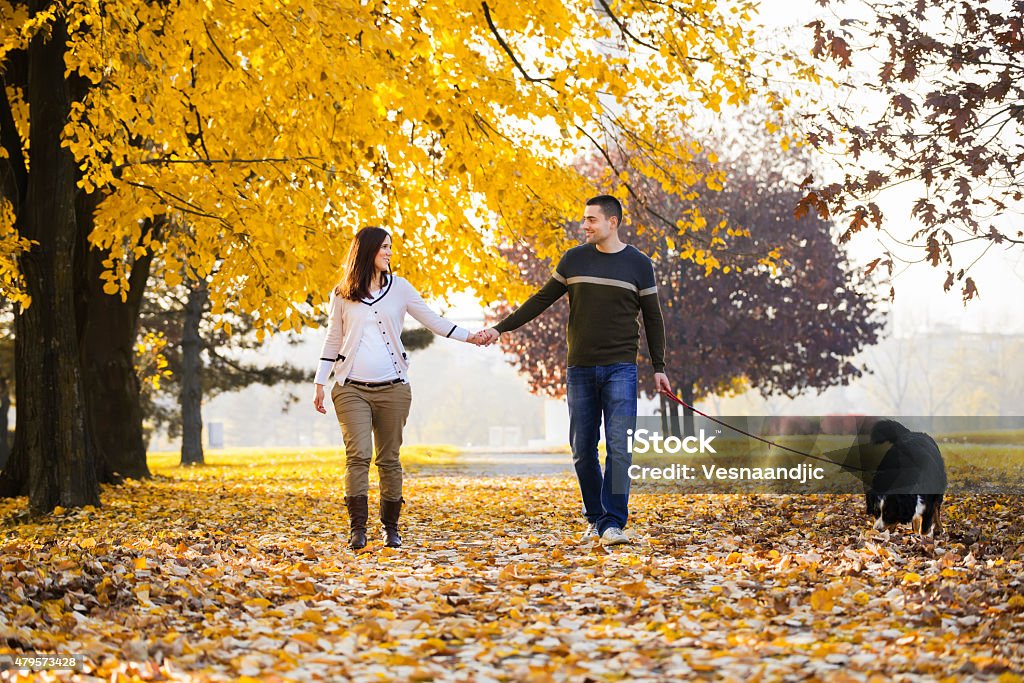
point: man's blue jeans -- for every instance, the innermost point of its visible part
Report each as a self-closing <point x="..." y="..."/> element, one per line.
<point x="593" y="392"/>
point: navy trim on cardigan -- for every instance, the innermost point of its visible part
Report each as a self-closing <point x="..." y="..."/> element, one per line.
<point x="387" y="288"/>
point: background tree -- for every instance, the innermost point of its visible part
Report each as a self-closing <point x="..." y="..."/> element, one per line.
<point x="417" y="338"/>
<point x="108" y="327"/>
<point x="781" y="329"/>
<point x="193" y="358"/>
<point x="950" y="80"/>
<point x="191" y="397"/>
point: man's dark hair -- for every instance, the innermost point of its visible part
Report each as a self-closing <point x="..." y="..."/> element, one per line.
<point x="609" y="206"/>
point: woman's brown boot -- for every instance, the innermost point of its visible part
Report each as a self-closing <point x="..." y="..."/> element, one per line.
<point x="357" y="514"/>
<point x="389" y="511"/>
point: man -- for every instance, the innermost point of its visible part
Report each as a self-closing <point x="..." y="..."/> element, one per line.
<point x="610" y="284"/>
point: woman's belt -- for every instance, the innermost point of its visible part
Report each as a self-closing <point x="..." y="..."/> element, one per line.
<point x="373" y="384"/>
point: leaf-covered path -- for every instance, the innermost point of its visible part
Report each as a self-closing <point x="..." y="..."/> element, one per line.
<point x="240" y="570"/>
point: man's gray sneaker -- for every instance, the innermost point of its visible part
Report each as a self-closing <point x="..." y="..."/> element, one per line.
<point x="590" y="533"/>
<point x="613" y="536"/>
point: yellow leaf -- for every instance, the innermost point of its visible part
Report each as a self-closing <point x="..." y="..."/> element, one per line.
<point x="140" y="563"/>
<point x="257" y="602"/>
<point x="637" y="589"/>
<point x="911" y="577"/>
<point x="1016" y="602"/>
<point x="308" y="638"/>
<point x="433" y="646"/>
<point x="821" y="600"/>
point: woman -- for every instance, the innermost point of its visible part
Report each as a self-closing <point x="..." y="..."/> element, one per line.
<point x="372" y="395"/>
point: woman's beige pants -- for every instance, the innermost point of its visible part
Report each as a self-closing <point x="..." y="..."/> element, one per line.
<point x="369" y="415"/>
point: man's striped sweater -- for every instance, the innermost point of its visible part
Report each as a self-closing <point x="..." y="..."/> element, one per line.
<point x="607" y="295"/>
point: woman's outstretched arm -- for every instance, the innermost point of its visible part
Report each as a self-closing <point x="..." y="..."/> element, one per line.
<point x="419" y="310"/>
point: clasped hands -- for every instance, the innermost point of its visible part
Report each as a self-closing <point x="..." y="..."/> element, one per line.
<point x="484" y="337"/>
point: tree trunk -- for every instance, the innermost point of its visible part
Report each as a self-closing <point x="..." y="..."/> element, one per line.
<point x="664" y="412"/>
<point x="14" y="478"/>
<point x="108" y="331"/>
<point x="673" y="419"/>
<point x="51" y="420"/>
<point x="686" y="389"/>
<point x="191" y="378"/>
<point x="5" y="409"/>
<point x="13" y="186"/>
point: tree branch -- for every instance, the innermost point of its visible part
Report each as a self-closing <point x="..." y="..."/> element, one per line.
<point x="622" y="26"/>
<point x="217" y="47"/>
<point x="508" y="50"/>
<point x="163" y="161"/>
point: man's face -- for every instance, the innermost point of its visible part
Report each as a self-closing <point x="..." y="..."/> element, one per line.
<point x="596" y="227"/>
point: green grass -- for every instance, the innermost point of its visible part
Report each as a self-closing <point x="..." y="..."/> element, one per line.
<point x="267" y="462"/>
<point x="1002" y="436"/>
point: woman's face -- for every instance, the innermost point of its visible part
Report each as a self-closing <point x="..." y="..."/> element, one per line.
<point x="383" y="258"/>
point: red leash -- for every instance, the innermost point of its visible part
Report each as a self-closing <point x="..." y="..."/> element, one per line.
<point x="753" y="436"/>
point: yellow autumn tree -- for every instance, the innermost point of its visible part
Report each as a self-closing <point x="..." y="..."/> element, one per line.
<point x="430" y="120"/>
<point x="258" y="136"/>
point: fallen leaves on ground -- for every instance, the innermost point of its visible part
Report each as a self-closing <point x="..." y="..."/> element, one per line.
<point x="227" y="572"/>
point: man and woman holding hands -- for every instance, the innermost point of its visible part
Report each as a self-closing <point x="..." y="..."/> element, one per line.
<point x="611" y="285"/>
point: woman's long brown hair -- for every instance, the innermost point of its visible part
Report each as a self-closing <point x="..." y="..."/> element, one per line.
<point x="360" y="272"/>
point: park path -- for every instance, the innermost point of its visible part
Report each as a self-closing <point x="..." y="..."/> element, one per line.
<point x="521" y="464"/>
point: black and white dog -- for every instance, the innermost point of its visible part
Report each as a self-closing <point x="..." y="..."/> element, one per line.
<point x="910" y="481"/>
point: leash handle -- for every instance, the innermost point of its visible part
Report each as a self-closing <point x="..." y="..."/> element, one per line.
<point x="753" y="436"/>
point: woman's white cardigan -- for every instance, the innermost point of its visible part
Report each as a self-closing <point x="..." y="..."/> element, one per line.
<point x="387" y="311"/>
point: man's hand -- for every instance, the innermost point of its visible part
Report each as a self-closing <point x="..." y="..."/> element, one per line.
<point x="318" y="399"/>
<point x="661" y="383"/>
<point x="477" y="338"/>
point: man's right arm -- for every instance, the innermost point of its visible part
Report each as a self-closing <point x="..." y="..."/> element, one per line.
<point x="536" y="304"/>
